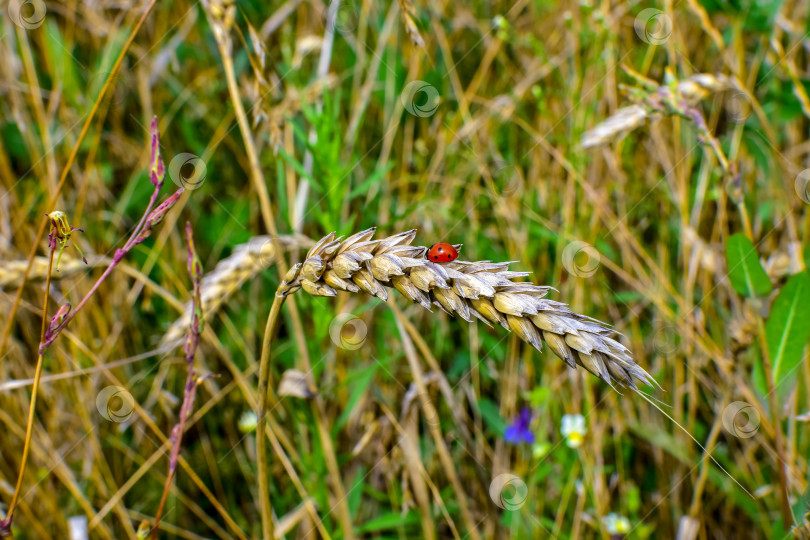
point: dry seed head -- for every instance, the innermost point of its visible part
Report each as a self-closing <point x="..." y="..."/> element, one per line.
<point x="481" y="290"/>
<point x="626" y="119"/>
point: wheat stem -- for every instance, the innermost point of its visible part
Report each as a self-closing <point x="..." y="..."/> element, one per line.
<point x="261" y="438"/>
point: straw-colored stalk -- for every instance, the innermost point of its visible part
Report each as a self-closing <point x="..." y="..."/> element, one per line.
<point x="471" y="290"/>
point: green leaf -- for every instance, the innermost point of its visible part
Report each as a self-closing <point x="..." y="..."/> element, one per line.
<point x="787" y="329"/>
<point x="758" y="374"/>
<point x="373" y="179"/>
<point x="744" y="269"/>
<point x="389" y="521"/>
<point x="299" y="168"/>
<point x="360" y="380"/>
<point x="491" y="415"/>
<point x="355" y="495"/>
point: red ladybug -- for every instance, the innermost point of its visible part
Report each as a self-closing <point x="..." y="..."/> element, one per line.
<point x="442" y="253"/>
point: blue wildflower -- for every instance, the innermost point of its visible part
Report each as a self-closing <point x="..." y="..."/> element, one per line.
<point x="519" y="431"/>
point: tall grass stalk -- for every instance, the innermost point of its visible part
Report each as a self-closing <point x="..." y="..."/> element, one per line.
<point x="29" y="430"/>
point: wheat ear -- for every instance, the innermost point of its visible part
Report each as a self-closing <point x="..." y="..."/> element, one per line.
<point x="482" y="290"/>
<point x="219" y="285"/>
<point x="11" y="272"/>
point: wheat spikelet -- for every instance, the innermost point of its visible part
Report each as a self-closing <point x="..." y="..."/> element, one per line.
<point x="482" y="290"/>
<point x="246" y="261"/>
<point x="408" y="13"/>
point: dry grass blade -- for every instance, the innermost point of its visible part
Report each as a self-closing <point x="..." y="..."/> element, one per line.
<point x="481" y="290"/>
<point x="230" y="274"/>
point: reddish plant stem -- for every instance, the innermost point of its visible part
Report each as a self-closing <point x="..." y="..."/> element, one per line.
<point x="192" y="342"/>
<point x="120" y="253"/>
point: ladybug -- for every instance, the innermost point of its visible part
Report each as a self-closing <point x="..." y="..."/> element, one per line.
<point x="442" y="253"/>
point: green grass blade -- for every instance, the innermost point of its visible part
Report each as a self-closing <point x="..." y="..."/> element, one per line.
<point x="787" y="330"/>
<point x="744" y="269"/>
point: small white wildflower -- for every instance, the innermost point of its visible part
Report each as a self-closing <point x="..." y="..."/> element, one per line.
<point x="573" y="429"/>
<point x="616" y="524"/>
<point x="500" y="22"/>
<point x="248" y="422"/>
